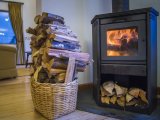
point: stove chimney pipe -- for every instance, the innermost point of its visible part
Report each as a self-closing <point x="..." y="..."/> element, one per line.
<point x="120" y="5"/>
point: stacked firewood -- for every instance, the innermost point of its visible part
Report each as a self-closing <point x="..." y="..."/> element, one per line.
<point x="53" y="47"/>
<point x="112" y="93"/>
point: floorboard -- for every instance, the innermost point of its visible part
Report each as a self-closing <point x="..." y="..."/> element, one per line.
<point x="16" y="103"/>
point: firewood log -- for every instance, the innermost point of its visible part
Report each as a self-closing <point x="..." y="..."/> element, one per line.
<point x="40" y="27"/>
<point x="34" y="60"/>
<point x="70" y="70"/>
<point x="40" y="39"/>
<point x="129" y="97"/>
<point x="31" y="31"/>
<point x="41" y="43"/>
<point x="33" y="38"/>
<point x="57" y="71"/>
<point x="104" y="92"/>
<point x="64" y="38"/>
<point x="39" y="60"/>
<point x="84" y="57"/>
<point x="66" y="46"/>
<point x="41" y="36"/>
<point x="43" y="76"/>
<point x="37" y="41"/>
<point x="142" y="95"/>
<point x="134" y="101"/>
<point x="45" y="14"/>
<point x="113" y="99"/>
<point x="32" y="70"/>
<point x="121" y="101"/>
<point x="48" y="44"/>
<point x="33" y="43"/>
<point x="107" y="99"/>
<point x="62" y="64"/>
<point x="134" y="92"/>
<point x="35" y="54"/>
<point x="37" y="18"/>
<point x="37" y="72"/>
<point x="51" y="36"/>
<point x="109" y="86"/>
<point x="140" y="103"/>
<point x="60" y="77"/>
<point x="45" y="57"/>
<point x="61" y="30"/>
<point x="120" y="90"/>
<point x="102" y="99"/>
<point x="48" y="18"/>
<point x="41" y="31"/>
<point x="47" y="65"/>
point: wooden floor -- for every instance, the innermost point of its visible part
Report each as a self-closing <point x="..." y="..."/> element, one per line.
<point x="16" y="103"/>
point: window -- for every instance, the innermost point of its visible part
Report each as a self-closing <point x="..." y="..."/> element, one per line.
<point x="122" y="42"/>
<point x="7" y="35"/>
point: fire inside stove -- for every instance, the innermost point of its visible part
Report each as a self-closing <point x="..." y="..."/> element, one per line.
<point x="122" y="42"/>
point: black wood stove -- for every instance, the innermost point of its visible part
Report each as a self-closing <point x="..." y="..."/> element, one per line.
<point x="125" y="52"/>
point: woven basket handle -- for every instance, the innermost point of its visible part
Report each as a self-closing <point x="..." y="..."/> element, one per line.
<point x="70" y="70"/>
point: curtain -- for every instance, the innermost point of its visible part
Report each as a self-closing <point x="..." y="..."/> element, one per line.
<point x="17" y="24"/>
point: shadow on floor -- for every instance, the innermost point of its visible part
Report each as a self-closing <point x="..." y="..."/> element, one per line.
<point x="86" y="103"/>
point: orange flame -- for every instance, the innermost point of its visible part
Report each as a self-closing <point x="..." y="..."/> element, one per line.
<point x="114" y="37"/>
<point x="119" y="41"/>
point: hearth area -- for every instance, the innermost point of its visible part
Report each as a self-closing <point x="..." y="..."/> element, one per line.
<point x="125" y="59"/>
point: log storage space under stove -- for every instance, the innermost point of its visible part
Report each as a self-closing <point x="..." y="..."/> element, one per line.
<point x="125" y="59"/>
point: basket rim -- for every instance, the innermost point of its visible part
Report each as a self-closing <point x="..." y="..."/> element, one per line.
<point x="54" y="84"/>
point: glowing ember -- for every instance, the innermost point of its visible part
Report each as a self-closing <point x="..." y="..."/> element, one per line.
<point x="122" y="42"/>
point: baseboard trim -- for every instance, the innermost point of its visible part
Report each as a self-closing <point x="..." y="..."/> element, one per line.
<point x="85" y="86"/>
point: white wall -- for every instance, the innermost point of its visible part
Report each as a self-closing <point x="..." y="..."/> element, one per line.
<point x="38" y="7"/>
<point x="136" y="4"/>
<point x="29" y="12"/>
<point x="78" y="15"/>
<point x="3" y="6"/>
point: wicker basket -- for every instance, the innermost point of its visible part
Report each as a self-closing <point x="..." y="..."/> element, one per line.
<point x="54" y="100"/>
